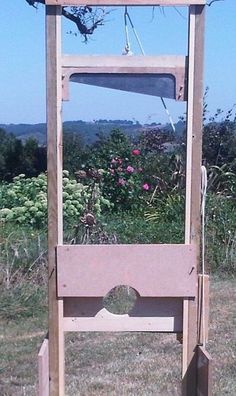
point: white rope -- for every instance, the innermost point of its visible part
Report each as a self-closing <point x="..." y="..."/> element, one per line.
<point x="127" y="49"/>
<point x="203" y="206"/>
<point x="134" y="30"/>
<point x="128" y="52"/>
<point x="168" y="114"/>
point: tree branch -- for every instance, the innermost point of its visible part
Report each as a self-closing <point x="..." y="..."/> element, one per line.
<point x="213" y="1"/>
<point x="85" y="18"/>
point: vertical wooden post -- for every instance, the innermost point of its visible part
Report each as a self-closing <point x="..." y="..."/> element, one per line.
<point x="197" y="125"/>
<point x="55" y="226"/>
<point x="203" y="308"/>
<point x="43" y="370"/>
<point x="193" y="186"/>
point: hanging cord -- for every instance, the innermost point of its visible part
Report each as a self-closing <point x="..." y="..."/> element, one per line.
<point x="128" y="52"/>
<point x="203" y="206"/>
<point x="168" y="114"/>
<point x="134" y="30"/>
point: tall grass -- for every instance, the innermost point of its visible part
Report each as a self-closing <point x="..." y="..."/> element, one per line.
<point x="23" y="271"/>
<point x="221" y="234"/>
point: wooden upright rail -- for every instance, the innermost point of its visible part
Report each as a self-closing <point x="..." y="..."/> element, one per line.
<point x="162" y="305"/>
<point x="193" y="183"/>
<point x="54" y="169"/>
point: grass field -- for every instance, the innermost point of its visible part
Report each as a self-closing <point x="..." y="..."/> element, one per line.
<point x="119" y="364"/>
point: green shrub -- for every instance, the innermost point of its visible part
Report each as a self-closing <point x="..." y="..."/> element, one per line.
<point x="24" y="201"/>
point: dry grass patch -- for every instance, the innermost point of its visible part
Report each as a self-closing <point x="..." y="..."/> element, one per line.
<point x="222" y="336"/>
<point x="123" y="364"/>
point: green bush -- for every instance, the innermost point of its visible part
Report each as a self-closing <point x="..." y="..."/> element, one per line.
<point x="135" y="227"/>
<point x="131" y="172"/>
<point x="24" y="201"/>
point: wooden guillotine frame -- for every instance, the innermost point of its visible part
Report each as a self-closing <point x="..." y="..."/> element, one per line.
<point x="166" y="277"/>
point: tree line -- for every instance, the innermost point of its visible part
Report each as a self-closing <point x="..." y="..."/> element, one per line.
<point x="30" y="158"/>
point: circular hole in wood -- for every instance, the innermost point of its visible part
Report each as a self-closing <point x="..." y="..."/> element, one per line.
<point x="120" y="300"/>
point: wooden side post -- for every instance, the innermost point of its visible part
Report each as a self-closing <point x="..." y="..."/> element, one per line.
<point x="43" y="370"/>
<point x="55" y="230"/>
<point x="193" y="186"/>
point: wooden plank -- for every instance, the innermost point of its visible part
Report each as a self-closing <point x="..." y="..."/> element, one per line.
<point x="203" y="308"/>
<point x="112" y="63"/>
<point x="43" y="369"/>
<point x="54" y="170"/>
<point x="144" y="306"/>
<point x="197" y="126"/>
<point x="113" y="323"/>
<point x="125" y="2"/>
<point x="193" y="182"/>
<point x="168" y="270"/>
<point x="148" y="314"/>
<point x="188" y="194"/>
<point x="204" y="372"/>
<point x="190" y="110"/>
<point x="185" y="337"/>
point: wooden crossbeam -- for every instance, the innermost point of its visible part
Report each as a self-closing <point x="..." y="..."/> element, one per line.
<point x="147" y="314"/>
<point x="154" y="75"/>
<point x="126" y="2"/>
<point x="126" y="64"/>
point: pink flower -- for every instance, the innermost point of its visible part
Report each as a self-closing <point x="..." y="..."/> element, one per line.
<point x="121" y="182"/>
<point x="136" y="152"/>
<point x="146" y="187"/>
<point x="130" y="169"/>
<point x="140" y="170"/>
<point x="116" y="161"/>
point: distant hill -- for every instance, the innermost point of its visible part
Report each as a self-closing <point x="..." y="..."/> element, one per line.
<point x="87" y="130"/>
<point x="24" y="131"/>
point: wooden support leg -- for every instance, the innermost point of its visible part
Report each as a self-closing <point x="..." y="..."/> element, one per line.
<point x="43" y="369"/>
<point x="61" y="351"/>
<point x="196" y="363"/>
<point x="204" y="372"/>
<point x="189" y="357"/>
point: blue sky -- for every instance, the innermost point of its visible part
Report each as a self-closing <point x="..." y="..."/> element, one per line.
<point x="22" y="65"/>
